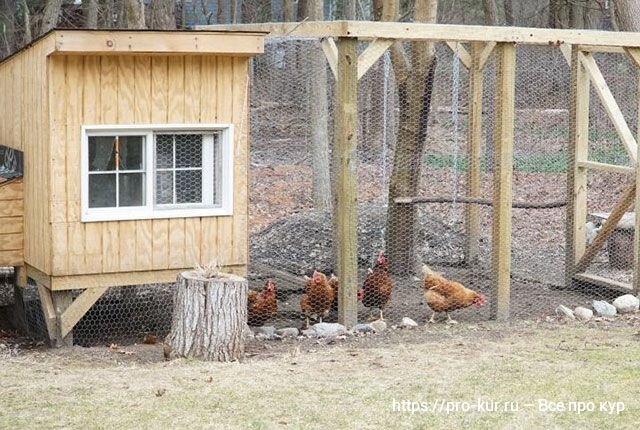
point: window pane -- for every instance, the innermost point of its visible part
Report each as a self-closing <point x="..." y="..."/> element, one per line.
<point x="164" y="151"/>
<point x="102" y="154"/>
<point x="131" y="189"/>
<point x="102" y="191"/>
<point x="188" y="150"/>
<point x="164" y="188"/>
<point x="189" y="186"/>
<point x="217" y="170"/>
<point x="131" y="152"/>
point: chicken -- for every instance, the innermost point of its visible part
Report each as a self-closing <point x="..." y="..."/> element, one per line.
<point x="378" y="285"/>
<point x="443" y="295"/>
<point x="317" y="297"/>
<point x="335" y="284"/>
<point x="262" y="305"/>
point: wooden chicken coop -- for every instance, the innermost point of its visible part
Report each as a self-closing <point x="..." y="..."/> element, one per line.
<point x="474" y="46"/>
<point x="135" y="161"/>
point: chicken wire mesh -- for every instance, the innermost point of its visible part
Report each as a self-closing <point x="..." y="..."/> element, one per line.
<point x="292" y="223"/>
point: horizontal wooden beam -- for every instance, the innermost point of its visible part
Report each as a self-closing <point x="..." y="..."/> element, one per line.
<point x="603" y="282"/>
<point x="594" y="165"/>
<point x="105" y="42"/>
<point x="11" y="258"/>
<point x="100" y="280"/>
<point x="479" y="201"/>
<point x="419" y="31"/>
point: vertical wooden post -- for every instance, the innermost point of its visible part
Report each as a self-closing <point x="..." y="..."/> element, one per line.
<point x="61" y="301"/>
<point x="576" y="176"/>
<point x="346" y="125"/>
<point x="502" y="177"/>
<point x="474" y="154"/>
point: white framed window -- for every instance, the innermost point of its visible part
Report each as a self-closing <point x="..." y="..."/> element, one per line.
<point x="156" y="171"/>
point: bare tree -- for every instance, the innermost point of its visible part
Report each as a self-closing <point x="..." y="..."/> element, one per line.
<point x="288" y="10"/>
<point x="8" y="10"/>
<point x="508" y="13"/>
<point x="132" y="15"/>
<point x="627" y="14"/>
<point x="50" y="15"/>
<point x="490" y="14"/>
<point x="414" y="71"/>
<point x="90" y="13"/>
<point x="26" y="22"/>
<point x="163" y="14"/>
<point x="349" y="9"/>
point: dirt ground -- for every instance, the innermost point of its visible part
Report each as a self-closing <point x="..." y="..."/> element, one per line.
<point x="457" y="371"/>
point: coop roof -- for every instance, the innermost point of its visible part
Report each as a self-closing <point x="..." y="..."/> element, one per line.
<point x="149" y="42"/>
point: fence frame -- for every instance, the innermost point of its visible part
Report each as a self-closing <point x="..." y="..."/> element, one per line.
<point x="576" y="45"/>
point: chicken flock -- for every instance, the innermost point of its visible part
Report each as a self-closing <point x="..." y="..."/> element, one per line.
<point x="320" y="295"/>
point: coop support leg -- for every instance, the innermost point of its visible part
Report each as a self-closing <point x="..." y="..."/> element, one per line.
<point x="346" y="158"/>
<point x="48" y="311"/>
<point x="76" y="310"/>
<point x="635" y="54"/>
<point x="577" y="176"/>
<point x="502" y="178"/>
<point x="61" y="301"/>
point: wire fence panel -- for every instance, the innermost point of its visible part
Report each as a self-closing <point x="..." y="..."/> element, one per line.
<point x="428" y="161"/>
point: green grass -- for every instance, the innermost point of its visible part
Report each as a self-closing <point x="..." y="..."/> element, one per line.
<point x="345" y="386"/>
<point x="552" y="162"/>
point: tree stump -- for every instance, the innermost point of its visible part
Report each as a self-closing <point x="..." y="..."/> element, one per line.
<point x="209" y="317"/>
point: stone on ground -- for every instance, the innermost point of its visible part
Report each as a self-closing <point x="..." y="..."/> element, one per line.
<point x="583" y="314"/>
<point x="604" y="309"/>
<point x="266" y="331"/>
<point x="408" y="322"/>
<point x="565" y="312"/>
<point x="329" y="329"/>
<point x="379" y="326"/>
<point x="626" y="304"/>
<point x="287" y="332"/>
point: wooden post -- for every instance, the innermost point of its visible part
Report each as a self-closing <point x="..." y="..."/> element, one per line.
<point x="577" y="176"/>
<point x="346" y="126"/>
<point x="61" y="301"/>
<point x="209" y="317"/>
<point x="502" y="174"/>
<point x="474" y="154"/>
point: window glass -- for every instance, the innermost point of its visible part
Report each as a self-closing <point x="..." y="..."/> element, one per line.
<point x="164" y="151"/>
<point x="131" y="152"/>
<point x="102" y="154"/>
<point x="102" y="191"/>
<point x="188" y="150"/>
<point x="164" y="188"/>
<point x="131" y="189"/>
<point x="188" y="186"/>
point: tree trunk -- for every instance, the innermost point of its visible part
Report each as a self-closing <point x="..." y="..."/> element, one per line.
<point x="163" y="14"/>
<point x="414" y="78"/>
<point x="132" y="16"/>
<point x="489" y="7"/>
<point x="90" y="13"/>
<point x="627" y="15"/>
<point x="50" y="16"/>
<point x="209" y="317"/>
<point x="28" y="36"/>
<point x="508" y="13"/>
<point x="349" y="10"/>
<point x="8" y="9"/>
<point x="288" y="10"/>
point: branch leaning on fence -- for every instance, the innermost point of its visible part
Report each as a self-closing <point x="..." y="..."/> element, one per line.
<point x="479" y="201"/>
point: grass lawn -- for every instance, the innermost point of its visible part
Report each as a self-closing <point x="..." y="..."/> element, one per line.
<point x="347" y="384"/>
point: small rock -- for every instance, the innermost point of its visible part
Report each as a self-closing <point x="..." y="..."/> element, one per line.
<point x="362" y="328"/>
<point x="267" y="330"/>
<point x="309" y="332"/>
<point x="329" y="329"/>
<point x="604" y="309"/>
<point x="583" y="314"/>
<point x="564" y="311"/>
<point x="287" y="332"/>
<point x="626" y="304"/>
<point x="408" y="322"/>
<point x="379" y="326"/>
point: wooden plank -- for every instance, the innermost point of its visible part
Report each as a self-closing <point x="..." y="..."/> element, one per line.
<point x="78" y="308"/>
<point x="618" y="211"/>
<point x="503" y="172"/>
<point x="474" y="154"/>
<point x="603" y="282"/>
<point x="11" y="225"/>
<point x="444" y="32"/>
<point x="331" y="54"/>
<point x="38" y="276"/>
<point x="105" y="42"/>
<point x="176" y="243"/>
<point x="160" y="235"/>
<point x="11" y="242"/>
<point x="110" y="247"/>
<point x="192" y="79"/>
<point x="485" y="54"/>
<point x="20" y="276"/>
<point x="594" y="165"/>
<point x="372" y="54"/>
<point x="13" y="190"/>
<point x="144" y="245"/>
<point x="576" y="216"/>
<point x="58" y="113"/>
<point x="128" y="248"/>
<point x="48" y="310"/>
<point x="11" y="258"/>
<point x="176" y="90"/>
<point x="100" y="280"/>
<point x="462" y="53"/>
<point x="192" y="241"/>
<point x="240" y="117"/>
<point x="346" y="183"/>
<point x="634" y="55"/>
<point x="11" y="208"/>
<point x="93" y="247"/>
<point x="610" y="105"/>
<point x="636" y="232"/>
<point x="62" y="300"/>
